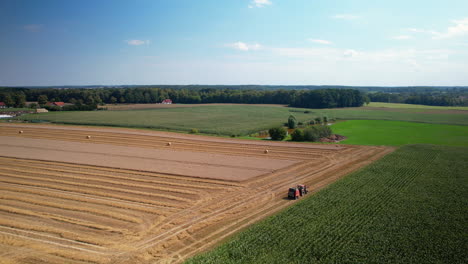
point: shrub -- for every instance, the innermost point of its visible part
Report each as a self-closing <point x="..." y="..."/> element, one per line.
<point x="318" y="120"/>
<point x="194" y="131"/>
<point x="297" y="135"/>
<point x="277" y="133"/>
<point x="310" y="134"/>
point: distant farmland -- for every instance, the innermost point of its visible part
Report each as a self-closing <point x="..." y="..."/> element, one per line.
<point x="409" y="207"/>
<point x="239" y="119"/>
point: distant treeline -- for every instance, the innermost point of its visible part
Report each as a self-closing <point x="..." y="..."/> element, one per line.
<point x="386" y="89"/>
<point x="309" y="96"/>
<point x="322" y="98"/>
<point x="437" y="98"/>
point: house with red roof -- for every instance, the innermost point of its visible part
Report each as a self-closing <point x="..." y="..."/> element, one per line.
<point x="3" y="105"/>
<point x="166" y="101"/>
<point x="61" y="104"/>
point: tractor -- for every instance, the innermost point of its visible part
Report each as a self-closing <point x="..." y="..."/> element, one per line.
<point x="295" y="192"/>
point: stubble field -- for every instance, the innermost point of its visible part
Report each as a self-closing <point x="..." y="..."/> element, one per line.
<point x="126" y="196"/>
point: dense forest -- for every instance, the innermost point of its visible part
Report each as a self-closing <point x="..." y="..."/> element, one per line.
<point x="298" y="96"/>
<point x="324" y="98"/>
<point x="446" y="98"/>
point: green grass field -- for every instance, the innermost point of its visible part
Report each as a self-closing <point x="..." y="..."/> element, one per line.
<point x="235" y="119"/>
<point x="392" y="105"/>
<point x="409" y="207"/>
<point x="397" y="133"/>
<point x="401" y="114"/>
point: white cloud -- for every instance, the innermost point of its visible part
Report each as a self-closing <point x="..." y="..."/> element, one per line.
<point x="321" y="41"/>
<point x="425" y="31"/>
<point x="350" y="53"/>
<point x="259" y="3"/>
<point x="244" y="46"/>
<point x="33" y="27"/>
<point x="346" y="16"/>
<point x="137" y="42"/>
<point x="402" y="37"/>
<point x="459" y="29"/>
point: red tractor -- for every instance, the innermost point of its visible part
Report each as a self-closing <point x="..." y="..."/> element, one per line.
<point x="296" y="192"/>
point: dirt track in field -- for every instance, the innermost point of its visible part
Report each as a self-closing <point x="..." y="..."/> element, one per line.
<point x="65" y="198"/>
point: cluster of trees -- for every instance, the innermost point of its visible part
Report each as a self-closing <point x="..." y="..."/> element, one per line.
<point x="313" y="133"/>
<point x="326" y="98"/>
<point x="13" y="99"/>
<point x="455" y="97"/>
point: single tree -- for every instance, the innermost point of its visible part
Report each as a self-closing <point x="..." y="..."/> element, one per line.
<point x="42" y="99"/>
<point x="113" y="100"/>
<point x="292" y="122"/>
<point x="20" y="99"/>
<point x="277" y="133"/>
<point x="9" y="101"/>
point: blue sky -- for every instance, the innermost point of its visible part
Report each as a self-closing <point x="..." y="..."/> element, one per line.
<point x="327" y="42"/>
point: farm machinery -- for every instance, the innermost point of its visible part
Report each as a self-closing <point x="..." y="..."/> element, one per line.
<point x="296" y="192"/>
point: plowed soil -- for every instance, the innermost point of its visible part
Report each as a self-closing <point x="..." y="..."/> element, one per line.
<point x="126" y="196"/>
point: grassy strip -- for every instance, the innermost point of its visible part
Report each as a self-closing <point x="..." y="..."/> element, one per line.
<point x="409" y="207"/>
<point x="15" y="109"/>
<point x="397" y="133"/>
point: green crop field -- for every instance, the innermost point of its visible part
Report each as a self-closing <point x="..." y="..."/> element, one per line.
<point x="235" y="119"/>
<point x="409" y="207"/>
<point x="392" y="105"/>
<point x="216" y="119"/>
<point x="397" y="133"/>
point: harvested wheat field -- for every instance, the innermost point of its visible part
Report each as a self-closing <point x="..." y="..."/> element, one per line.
<point x="102" y="195"/>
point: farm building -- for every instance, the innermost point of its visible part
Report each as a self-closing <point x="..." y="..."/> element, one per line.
<point x="3" y="105"/>
<point x="166" y="101"/>
<point x="61" y="104"/>
<point x="41" y="110"/>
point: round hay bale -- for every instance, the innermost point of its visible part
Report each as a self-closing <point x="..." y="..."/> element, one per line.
<point x="88" y="137"/>
<point x="21" y="131"/>
<point x="266" y="151"/>
<point x="169" y="143"/>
